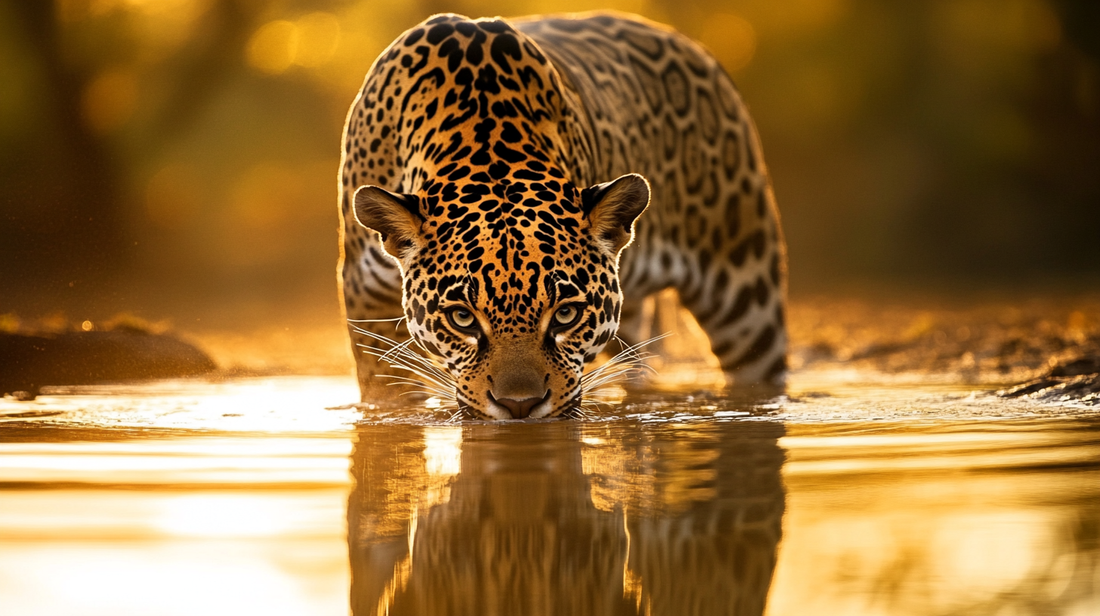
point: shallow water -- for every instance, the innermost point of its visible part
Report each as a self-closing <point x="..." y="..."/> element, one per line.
<point x="847" y="495"/>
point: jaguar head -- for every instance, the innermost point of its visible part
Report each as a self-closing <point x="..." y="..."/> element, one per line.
<point x="512" y="286"/>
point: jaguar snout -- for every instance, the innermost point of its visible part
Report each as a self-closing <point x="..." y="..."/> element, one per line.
<point x="521" y="408"/>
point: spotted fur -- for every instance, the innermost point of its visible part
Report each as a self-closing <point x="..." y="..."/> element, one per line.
<point x="492" y="175"/>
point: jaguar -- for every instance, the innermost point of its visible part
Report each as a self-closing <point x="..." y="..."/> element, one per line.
<point x="494" y="173"/>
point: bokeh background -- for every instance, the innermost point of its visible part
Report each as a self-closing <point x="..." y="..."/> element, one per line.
<point x="177" y="159"/>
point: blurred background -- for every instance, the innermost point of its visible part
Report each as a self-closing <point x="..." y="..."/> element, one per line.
<point x="177" y="159"/>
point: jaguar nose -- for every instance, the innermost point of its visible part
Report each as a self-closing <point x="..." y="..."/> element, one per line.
<point x="520" y="409"/>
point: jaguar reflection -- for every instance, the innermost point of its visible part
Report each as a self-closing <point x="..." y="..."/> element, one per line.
<point x="565" y="518"/>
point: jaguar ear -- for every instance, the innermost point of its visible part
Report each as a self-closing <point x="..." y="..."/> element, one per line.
<point x="611" y="209"/>
<point x="395" y="217"/>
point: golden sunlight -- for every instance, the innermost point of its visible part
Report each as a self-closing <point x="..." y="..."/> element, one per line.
<point x="109" y="100"/>
<point x="171" y="197"/>
<point x="266" y="195"/>
<point x="227" y="515"/>
<point x="796" y="18"/>
<point x="171" y="203"/>
<point x="318" y="38"/>
<point x="310" y="41"/>
<point x="731" y="38"/>
<point x="199" y="461"/>
<point x="272" y="48"/>
<point x="443" y="450"/>
<point x="175" y="578"/>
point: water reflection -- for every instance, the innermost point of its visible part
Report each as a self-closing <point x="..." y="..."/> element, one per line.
<point x="565" y="518"/>
<point x="900" y="500"/>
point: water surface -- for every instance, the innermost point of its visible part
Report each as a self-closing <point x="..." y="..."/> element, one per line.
<point x="274" y="496"/>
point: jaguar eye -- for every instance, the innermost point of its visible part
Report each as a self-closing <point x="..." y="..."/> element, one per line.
<point x="566" y="315"/>
<point x="461" y="318"/>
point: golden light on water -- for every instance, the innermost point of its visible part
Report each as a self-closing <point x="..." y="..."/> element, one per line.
<point x="211" y="507"/>
<point x="205" y="525"/>
<point x="977" y="539"/>
<point x="184" y="461"/>
<point x="942" y="509"/>
<point x="443" y="450"/>
<point x="271" y="406"/>
<point x="225" y="515"/>
<point x="174" y="578"/>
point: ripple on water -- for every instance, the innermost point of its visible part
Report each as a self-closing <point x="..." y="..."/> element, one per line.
<point x="326" y="404"/>
<point x="847" y="494"/>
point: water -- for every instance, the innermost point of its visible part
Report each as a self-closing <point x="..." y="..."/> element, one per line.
<point x="273" y="496"/>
